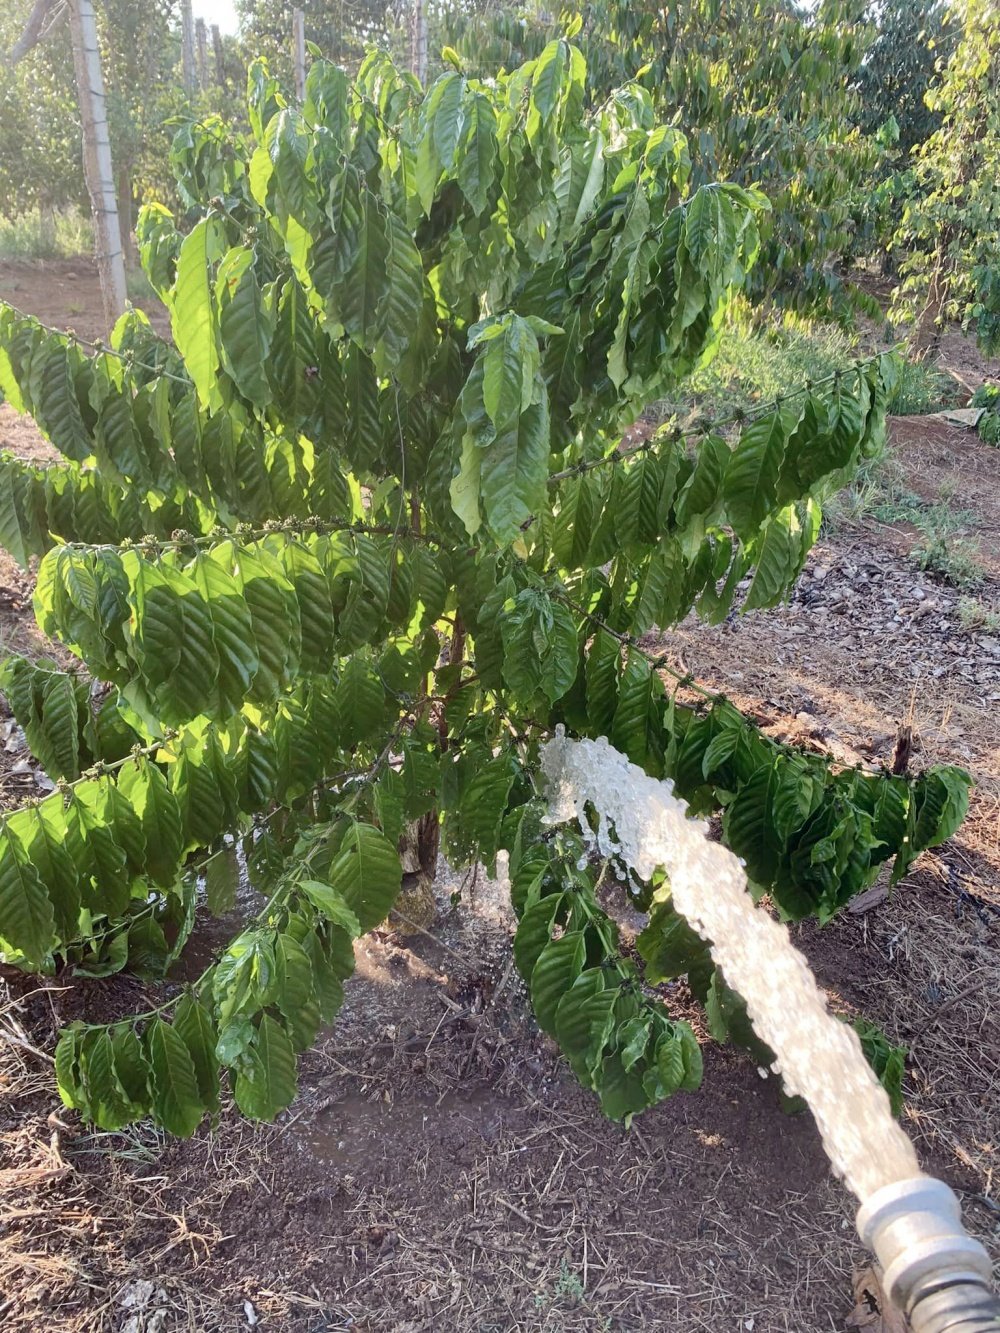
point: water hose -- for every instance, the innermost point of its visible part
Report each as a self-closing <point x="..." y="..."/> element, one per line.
<point x="932" y="1269"/>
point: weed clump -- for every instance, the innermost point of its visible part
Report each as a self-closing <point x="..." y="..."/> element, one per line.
<point x="987" y="396"/>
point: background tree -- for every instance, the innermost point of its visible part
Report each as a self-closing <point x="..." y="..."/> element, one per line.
<point x="40" y="161"/>
<point x="40" y="151"/>
<point x="763" y="92"/>
<point x="343" y="555"/>
<point x="948" y="242"/>
<point x="344" y="30"/>
<point x="341" y="31"/>
<point x="912" y="40"/>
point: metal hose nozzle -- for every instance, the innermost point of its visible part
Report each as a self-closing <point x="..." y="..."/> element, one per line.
<point x="932" y="1269"/>
<point x="966" y="1308"/>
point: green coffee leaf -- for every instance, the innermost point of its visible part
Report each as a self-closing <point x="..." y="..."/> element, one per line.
<point x="222" y="878"/>
<point x="367" y="873"/>
<point x="266" y="1082"/>
<point x="177" y="1100"/>
<point x="558" y="966"/>
<point x="194" y="1025"/>
<point x="193" y="317"/>
<point x="333" y="905"/>
<point x="27" y="925"/>
<point x="145" y="788"/>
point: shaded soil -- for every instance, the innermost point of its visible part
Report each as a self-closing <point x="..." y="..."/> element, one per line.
<point x="441" y="1169"/>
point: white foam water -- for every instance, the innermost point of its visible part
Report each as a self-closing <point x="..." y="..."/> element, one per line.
<point x="647" y="825"/>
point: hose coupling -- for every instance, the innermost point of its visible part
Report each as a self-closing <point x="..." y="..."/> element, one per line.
<point x="932" y="1269"/>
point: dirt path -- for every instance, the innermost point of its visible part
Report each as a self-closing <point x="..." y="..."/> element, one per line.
<point x="441" y="1169"/>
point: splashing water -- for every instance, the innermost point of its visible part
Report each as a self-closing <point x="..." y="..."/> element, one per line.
<point x="818" y="1057"/>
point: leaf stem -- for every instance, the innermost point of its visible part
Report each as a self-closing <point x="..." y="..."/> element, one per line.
<point x="125" y="357"/>
<point x="293" y="527"/>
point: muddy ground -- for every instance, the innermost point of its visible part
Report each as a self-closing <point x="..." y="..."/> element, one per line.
<point x="440" y="1168"/>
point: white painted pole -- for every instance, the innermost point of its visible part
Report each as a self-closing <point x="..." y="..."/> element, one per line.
<point x="188" y="73"/>
<point x="299" y="45"/>
<point x="418" y="41"/>
<point x="97" y="158"/>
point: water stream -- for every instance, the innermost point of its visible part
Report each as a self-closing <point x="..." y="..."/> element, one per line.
<point x="819" y="1058"/>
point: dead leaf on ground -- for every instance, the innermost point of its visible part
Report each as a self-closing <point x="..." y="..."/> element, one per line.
<point x="873" y="1311"/>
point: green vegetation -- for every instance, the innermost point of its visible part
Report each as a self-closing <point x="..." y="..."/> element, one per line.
<point x="57" y="235"/>
<point x="878" y="492"/>
<point x="987" y="396"/>
<point x="343" y="34"/>
<point x="912" y="38"/>
<point x="352" y="546"/>
<point x="764" y="93"/>
<point x="567" y="1289"/>
<point x="140" y="289"/>
<point x="948" y="241"/>
<point x="954" y="560"/>
<point x="756" y="365"/>
<point x="972" y="615"/>
<point x="41" y="166"/>
<point x="942" y="550"/>
<point x="888" y="1061"/>
<point x="922" y="389"/>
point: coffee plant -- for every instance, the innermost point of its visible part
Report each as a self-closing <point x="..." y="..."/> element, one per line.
<point x="335" y="561"/>
<point x="987" y="397"/>
<point x="763" y="91"/>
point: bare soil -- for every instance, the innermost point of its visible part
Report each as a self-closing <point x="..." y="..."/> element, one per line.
<point x="66" y="294"/>
<point x="441" y="1169"/>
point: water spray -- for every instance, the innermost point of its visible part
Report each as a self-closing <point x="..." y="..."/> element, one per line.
<point x="934" y="1271"/>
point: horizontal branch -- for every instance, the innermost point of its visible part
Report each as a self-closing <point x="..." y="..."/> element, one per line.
<point x="711" y="425"/>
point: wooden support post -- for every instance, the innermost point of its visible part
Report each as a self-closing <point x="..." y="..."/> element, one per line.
<point x="188" y="74"/>
<point x="201" y="52"/>
<point x="299" y="50"/>
<point x="97" y="158"/>
<point x="220" y="56"/>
